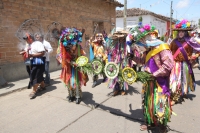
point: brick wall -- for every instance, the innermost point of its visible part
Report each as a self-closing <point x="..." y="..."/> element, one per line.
<point x="74" y="13"/>
<point x="70" y="13"/>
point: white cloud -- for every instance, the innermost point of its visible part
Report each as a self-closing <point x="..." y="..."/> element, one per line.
<point x="183" y="3"/>
<point x="121" y="1"/>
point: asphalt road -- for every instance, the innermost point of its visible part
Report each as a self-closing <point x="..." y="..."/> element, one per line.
<point x="99" y="112"/>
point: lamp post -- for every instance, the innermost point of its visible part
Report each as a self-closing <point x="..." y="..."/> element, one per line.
<point x="125" y="13"/>
<point x="171" y="13"/>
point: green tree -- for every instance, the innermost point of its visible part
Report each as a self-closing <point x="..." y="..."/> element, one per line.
<point x="140" y="19"/>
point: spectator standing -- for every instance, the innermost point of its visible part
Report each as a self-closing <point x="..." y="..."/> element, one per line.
<point x="48" y="50"/>
<point x="36" y="54"/>
<point x="29" y="40"/>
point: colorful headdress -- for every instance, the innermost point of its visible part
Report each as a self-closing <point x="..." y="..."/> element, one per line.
<point x="183" y="25"/>
<point x="157" y="33"/>
<point x="71" y="36"/>
<point x="99" y="35"/>
<point x="143" y="31"/>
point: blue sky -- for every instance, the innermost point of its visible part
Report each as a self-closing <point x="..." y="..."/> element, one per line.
<point x="187" y="9"/>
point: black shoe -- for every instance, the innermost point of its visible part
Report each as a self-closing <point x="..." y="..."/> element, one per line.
<point x="163" y="129"/>
<point x="29" y="86"/>
<point x="104" y="80"/>
<point x="70" y="99"/>
<point x="78" y="100"/>
<point x="94" y="84"/>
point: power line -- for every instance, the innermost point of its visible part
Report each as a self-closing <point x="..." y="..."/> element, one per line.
<point x="188" y="8"/>
<point x="146" y="1"/>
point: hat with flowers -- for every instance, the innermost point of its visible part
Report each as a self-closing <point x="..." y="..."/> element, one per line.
<point x="183" y="25"/>
<point x="142" y="31"/>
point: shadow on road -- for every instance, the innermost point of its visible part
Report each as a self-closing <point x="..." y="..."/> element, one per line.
<point x="88" y="99"/>
<point x="7" y="86"/>
<point x="135" y="115"/>
<point x="191" y="96"/>
<point x="132" y="90"/>
<point x="53" y="82"/>
<point x="49" y="88"/>
<point x="99" y="82"/>
<point x="198" y="82"/>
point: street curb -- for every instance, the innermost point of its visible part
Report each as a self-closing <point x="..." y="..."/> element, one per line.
<point x="20" y="89"/>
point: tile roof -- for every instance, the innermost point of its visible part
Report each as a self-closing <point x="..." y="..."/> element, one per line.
<point x="138" y="12"/>
<point x="115" y="2"/>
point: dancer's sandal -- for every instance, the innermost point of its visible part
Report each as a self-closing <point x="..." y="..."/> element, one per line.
<point x="32" y="95"/>
<point x="41" y="89"/>
<point x="143" y="127"/>
<point x="115" y="93"/>
<point x="173" y="103"/>
<point x="123" y="93"/>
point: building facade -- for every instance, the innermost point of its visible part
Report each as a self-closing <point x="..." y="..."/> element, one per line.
<point x="82" y="14"/>
<point x="133" y="15"/>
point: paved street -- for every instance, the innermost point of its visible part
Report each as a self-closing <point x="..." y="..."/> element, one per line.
<point x="99" y="112"/>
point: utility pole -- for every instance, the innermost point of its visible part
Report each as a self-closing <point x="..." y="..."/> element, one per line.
<point x="171" y="13"/>
<point x="125" y="13"/>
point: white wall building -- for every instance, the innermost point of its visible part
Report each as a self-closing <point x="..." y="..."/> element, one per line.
<point x="159" y="21"/>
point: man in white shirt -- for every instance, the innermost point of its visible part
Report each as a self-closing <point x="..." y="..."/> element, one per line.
<point x="48" y="50"/>
<point x="3" y="82"/>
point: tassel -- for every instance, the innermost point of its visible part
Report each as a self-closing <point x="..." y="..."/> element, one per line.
<point x="91" y="54"/>
<point x="72" y="79"/>
<point x="109" y="58"/>
<point x="126" y="86"/>
<point x="79" y="50"/>
<point x="154" y="106"/>
<point x="147" y="105"/>
<point x="113" y="83"/>
<point x="113" y="30"/>
<point x="77" y="79"/>
<point x="110" y="83"/>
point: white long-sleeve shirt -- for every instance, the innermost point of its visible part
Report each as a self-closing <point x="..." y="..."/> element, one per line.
<point x="48" y="47"/>
<point x="36" y="47"/>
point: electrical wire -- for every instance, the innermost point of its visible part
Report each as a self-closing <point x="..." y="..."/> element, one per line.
<point x="188" y="8"/>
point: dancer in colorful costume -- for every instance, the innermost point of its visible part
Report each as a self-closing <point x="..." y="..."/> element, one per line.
<point x="69" y="49"/>
<point x="182" y="77"/>
<point x="136" y="53"/>
<point x="156" y="93"/>
<point x="98" y="53"/>
<point x="118" y="68"/>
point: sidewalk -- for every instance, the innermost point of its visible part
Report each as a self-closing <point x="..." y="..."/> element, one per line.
<point x="22" y="84"/>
